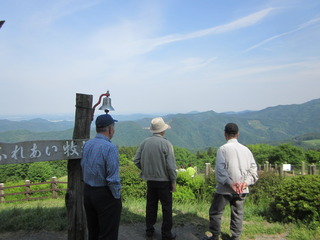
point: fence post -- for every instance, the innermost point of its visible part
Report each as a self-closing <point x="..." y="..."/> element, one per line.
<point x="281" y="172"/>
<point x="77" y="223"/>
<point x="208" y="169"/>
<point x="312" y="169"/>
<point x="303" y="167"/>
<point x="27" y="183"/>
<point x="2" y="192"/>
<point x="267" y="166"/>
<point x="54" y="187"/>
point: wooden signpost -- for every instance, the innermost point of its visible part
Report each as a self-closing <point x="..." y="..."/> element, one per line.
<point x="37" y="151"/>
<point x="40" y="151"/>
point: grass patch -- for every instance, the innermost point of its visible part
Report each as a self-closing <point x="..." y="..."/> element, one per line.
<point x="51" y="215"/>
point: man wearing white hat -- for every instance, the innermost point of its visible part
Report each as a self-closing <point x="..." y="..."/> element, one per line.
<point x="155" y="158"/>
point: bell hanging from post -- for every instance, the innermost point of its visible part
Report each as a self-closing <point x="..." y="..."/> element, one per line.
<point x="106" y="105"/>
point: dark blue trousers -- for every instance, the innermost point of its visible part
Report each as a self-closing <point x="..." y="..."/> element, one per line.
<point x="103" y="213"/>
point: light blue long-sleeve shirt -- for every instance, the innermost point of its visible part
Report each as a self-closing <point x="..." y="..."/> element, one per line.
<point x="100" y="164"/>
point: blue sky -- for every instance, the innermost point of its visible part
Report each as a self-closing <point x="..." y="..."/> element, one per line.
<point x="158" y="56"/>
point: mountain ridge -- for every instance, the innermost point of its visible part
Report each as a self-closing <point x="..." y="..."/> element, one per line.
<point x="196" y="130"/>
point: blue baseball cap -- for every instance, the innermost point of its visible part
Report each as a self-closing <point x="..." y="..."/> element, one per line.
<point x="104" y="120"/>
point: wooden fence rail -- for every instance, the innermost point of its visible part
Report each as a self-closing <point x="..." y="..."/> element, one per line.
<point x="281" y="169"/>
<point x="28" y="192"/>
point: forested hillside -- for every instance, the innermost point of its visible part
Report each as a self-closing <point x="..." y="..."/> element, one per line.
<point x="191" y="131"/>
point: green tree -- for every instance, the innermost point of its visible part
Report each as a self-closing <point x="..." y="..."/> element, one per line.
<point x="312" y="156"/>
<point x="129" y="152"/>
<point x="261" y="152"/>
<point x="13" y="172"/>
<point x="211" y="152"/>
<point x="40" y="171"/>
<point x="286" y="153"/>
<point x="183" y="156"/>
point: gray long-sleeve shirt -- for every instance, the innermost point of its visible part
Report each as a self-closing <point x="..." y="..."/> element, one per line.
<point x="234" y="163"/>
<point x="155" y="158"/>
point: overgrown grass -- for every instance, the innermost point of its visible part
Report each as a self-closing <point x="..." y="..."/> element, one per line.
<point x="51" y="215"/>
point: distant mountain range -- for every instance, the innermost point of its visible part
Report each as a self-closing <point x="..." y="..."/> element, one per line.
<point x="197" y="130"/>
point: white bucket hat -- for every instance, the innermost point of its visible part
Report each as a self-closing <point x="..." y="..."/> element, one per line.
<point x="158" y="125"/>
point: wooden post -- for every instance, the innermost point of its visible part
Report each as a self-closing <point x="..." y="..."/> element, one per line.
<point x="312" y="169"/>
<point x="208" y="165"/>
<point x="266" y="168"/>
<point x="1" y="192"/>
<point x="27" y="182"/>
<point x="281" y="172"/>
<point x="77" y="224"/>
<point x="54" y="187"/>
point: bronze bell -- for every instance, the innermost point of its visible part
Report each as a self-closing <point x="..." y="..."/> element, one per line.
<point x="106" y="104"/>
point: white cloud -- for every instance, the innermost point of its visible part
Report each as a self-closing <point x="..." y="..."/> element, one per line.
<point x="302" y="26"/>
<point x="129" y="38"/>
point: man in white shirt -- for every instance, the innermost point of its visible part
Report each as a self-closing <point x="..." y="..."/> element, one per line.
<point x="235" y="170"/>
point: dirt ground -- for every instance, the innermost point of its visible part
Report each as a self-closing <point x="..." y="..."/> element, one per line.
<point x="126" y="232"/>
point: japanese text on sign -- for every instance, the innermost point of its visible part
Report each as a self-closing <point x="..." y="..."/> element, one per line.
<point x="37" y="151"/>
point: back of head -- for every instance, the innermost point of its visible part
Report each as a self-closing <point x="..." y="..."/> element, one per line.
<point x="231" y="129"/>
<point x="103" y="121"/>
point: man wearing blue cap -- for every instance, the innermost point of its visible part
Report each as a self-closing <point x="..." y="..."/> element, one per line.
<point x="100" y="166"/>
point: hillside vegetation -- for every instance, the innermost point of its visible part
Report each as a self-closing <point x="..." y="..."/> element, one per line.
<point x="194" y="130"/>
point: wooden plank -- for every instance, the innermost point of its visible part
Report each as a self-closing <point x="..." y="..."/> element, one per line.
<point x="38" y="151"/>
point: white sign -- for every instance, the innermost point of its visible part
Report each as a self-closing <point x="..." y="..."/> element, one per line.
<point x="286" y="167"/>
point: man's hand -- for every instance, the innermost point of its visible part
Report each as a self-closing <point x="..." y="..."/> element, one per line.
<point x="239" y="187"/>
<point x="173" y="187"/>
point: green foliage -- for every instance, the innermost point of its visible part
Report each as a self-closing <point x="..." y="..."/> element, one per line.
<point x="183" y="194"/>
<point x="192" y="131"/>
<point x="59" y="167"/>
<point x="132" y="184"/>
<point x="265" y="188"/>
<point x="183" y="156"/>
<point x="312" y="156"/>
<point x="44" y="190"/>
<point x="34" y="219"/>
<point x="40" y="172"/>
<point x="128" y="152"/>
<point x="51" y="215"/>
<point x="261" y="152"/>
<point x="286" y="153"/>
<point x="200" y="188"/>
<point x="13" y="172"/>
<point x="297" y="199"/>
<point x="15" y="190"/>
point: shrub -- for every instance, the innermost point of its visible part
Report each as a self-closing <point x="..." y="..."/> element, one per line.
<point x="132" y="184"/>
<point x="183" y="194"/>
<point x="40" y="171"/>
<point x="209" y="188"/>
<point x="201" y="188"/>
<point x="297" y="200"/>
<point x="265" y="187"/>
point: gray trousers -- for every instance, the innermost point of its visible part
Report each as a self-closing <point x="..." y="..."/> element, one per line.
<point x="216" y="210"/>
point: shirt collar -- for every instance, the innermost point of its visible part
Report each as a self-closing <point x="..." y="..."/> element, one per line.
<point x="101" y="136"/>
<point x="232" y="140"/>
<point x="157" y="134"/>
